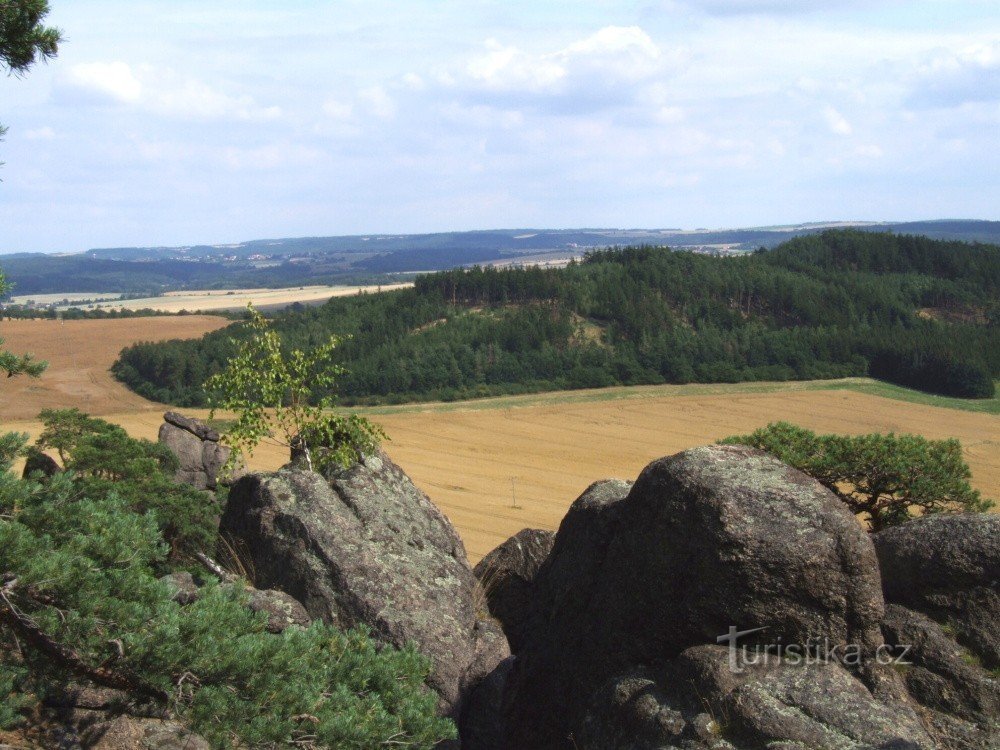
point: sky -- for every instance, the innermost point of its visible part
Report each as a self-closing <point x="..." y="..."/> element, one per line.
<point x="189" y="122"/>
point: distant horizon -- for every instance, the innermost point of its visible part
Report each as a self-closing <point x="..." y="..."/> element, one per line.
<point x="380" y="233"/>
<point x="170" y="123"/>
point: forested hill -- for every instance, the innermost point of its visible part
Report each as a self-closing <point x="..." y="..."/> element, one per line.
<point x="912" y="310"/>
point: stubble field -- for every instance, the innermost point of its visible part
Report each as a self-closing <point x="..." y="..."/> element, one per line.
<point x="498" y="466"/>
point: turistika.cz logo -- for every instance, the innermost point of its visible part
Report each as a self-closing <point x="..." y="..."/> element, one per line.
<point x="812" y="651"/>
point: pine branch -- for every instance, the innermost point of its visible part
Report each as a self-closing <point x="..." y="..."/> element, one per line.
<point x="66" y="657"/>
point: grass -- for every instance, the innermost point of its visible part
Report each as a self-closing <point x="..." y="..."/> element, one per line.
<point x="867" y="386"/>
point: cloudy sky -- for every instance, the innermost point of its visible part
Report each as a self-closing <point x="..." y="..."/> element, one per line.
<point x="173" y="122"/>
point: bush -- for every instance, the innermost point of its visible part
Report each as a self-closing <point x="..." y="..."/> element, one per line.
<point x="883" y="478"/>
<point x="81" y="562"/>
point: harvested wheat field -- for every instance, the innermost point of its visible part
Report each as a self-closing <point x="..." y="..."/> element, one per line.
<point x="79" y="353"/>
<point x="477" y="459"/>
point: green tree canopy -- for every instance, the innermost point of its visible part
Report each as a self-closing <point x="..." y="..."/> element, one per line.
<point x="24" y="39"/>
<point x="886" y="479"/>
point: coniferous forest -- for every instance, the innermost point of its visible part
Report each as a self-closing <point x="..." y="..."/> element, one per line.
<point x="906" y="309"/>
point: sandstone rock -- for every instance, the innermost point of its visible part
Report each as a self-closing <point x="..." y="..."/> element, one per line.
<point x="712" y="538"/>
<point x="368" y="548"/>
<point x="507" y="575"/>
<point x="947" y="566"/>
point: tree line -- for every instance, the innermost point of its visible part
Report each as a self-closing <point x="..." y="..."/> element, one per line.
<point x="919" y="312"/>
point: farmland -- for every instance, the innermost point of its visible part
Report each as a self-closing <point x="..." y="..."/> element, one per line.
<point x="499" y="465"/>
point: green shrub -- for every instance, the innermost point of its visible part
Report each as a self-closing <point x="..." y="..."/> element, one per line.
<point x="884" y="478"/>
<point x="84" y="559"/>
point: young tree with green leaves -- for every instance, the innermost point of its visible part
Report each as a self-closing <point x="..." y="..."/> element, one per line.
<point x="886" y="479"/>
<point x="273" y="394"/>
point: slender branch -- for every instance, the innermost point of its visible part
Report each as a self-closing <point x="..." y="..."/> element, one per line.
<point x="224" y="575"/>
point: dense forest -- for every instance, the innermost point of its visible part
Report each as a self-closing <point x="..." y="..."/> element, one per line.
<point x="911" y="310"/>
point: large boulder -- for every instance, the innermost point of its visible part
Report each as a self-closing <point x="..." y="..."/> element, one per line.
<point x="367" y="548"/>
<point x="197" y="448"/>
<point x="507" y="575"/>
<point x="707" y="540"/>
<point x="947" y="566"/>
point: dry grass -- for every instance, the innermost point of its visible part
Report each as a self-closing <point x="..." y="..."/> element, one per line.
<point x="553" y="446"/>
<point x="226" y="299"/>
<point x="79" y="353"/>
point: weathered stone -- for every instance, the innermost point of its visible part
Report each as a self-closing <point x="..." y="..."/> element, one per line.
<point x="282" y="610"/>
<point x="938" y="672"/>
<point x="40" y="463"/>
<point x="507" y="575"/>
<point x="129" y="733"/>
<point x="712" y="538"/>
<point x="196" y="427"/>
<point x="369" y="548"/>
<point x="183" y="585"/>
<point x="482" y="722"/>
<point x="198" y="450"/>
<point x="947" y="566"/>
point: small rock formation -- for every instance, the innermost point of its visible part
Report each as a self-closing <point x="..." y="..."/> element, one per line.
<point x="710" y="539"/>
<point x="40" y="463"/>
<point x="948" y="568"/>
<point x="507" y="575"/>
<point x="197" y="447"/>
<point x="282" y="610"/>
<point x="368" y="547"/>
<point x="131" y="733"/>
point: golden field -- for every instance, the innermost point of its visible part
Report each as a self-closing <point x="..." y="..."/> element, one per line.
<point x="475" y="459"/>
<point x="207" y="300"/>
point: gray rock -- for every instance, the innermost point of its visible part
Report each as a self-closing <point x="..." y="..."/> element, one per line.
<point x="196" y="427"/>
<point x="947" y="566"/>
<point x="708" y="539"/>
<point x="369" y="548"/>
<point x="507" y="575"/>
<point x="938" y="672"/>
<point x="185" y="590"/>
<point x="40" y="463"/>
<point x="282" y="610"/>
<point x="130" y="733"/>
<point x="482" y="722"/>
<point x="198" y="450"/>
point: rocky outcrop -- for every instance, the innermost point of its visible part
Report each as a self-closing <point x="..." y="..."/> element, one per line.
<point x="948" y="567"/>
<point x="507" y="575"/>
<point x="368" y="548"/>
<point x="40" y="465"/>
<point x="197" y="448"/>
<point x="939" y="673"/>
<point x="708" y="540"/>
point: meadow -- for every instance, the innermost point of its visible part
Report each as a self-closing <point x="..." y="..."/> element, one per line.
<point x="496" y="466"/>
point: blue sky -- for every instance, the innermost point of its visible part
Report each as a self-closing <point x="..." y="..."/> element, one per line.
<point x="180" y="122"/>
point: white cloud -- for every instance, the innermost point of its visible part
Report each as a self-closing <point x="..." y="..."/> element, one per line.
<point x="837" y="123"/>
<point x="112" y="81"/>
<point x="162" y="91"/>
<point x="44" y="133"/>
<point x="337" y="110"/>
<point x="605" y="65"/>
<point x="378" y="102"/>
<point x="949" y="78"/>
